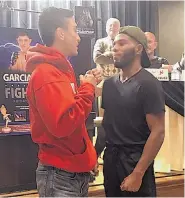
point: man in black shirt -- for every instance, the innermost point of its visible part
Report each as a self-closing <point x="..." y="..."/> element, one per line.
<point x="156" y="61"/>
<point x="133" y="119"/>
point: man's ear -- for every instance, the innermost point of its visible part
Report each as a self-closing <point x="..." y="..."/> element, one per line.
<point x="60" y="33"/>
<point x="30" y="40"/>
<point x="139" y="49"/>
<point x="155" y="45"/>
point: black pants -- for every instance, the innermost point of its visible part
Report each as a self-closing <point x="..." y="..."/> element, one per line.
<point x="118" y="164"/>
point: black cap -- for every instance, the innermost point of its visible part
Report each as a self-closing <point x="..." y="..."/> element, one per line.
<point x="137" y="34"/>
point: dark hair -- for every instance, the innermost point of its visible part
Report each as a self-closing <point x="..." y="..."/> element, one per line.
<point x="49" y="20"/>
<point x="23" y="34"/>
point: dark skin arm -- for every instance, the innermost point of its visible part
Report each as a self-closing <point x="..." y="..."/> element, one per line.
<point x="156" y="124"/>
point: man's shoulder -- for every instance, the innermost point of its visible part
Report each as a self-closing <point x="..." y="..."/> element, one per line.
<point x="45" y="68"/>
<point x="47" y="73"/>
<point x="148" y="82"/>
<point x="145" y="77"/>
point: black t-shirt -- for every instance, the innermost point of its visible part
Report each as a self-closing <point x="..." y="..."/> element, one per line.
<point x="157" y="62"/>
<point x="126" y="105"/>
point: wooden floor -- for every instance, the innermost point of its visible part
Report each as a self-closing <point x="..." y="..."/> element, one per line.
<point x="168" y="185"/>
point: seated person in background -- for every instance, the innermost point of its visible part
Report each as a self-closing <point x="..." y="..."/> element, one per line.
<point x="156" y="61"/>
<point x="18" y="59"/>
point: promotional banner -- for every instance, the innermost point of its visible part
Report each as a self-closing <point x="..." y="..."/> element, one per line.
<point x="14" y="111"/>
<point x="14" y="44"/>
<point x="85" y="20"/>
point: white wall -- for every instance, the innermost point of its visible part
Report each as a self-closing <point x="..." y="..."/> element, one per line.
<point x="171" y="30"/>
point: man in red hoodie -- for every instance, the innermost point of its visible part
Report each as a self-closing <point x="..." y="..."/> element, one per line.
<point x="58" y="108"/>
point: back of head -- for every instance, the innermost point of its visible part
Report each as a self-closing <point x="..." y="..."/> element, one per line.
<point x="150" y="35"/>
<point x="51" y="19"/>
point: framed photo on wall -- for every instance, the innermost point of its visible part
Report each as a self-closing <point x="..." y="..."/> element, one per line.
<point x="85" y="20"/>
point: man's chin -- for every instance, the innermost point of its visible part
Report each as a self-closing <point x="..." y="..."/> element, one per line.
<point x="121" y="65"/>
<point x="149" y="52"/>
<point x="118" y="65"/>
<point x="74" y="53"/>
<point x="24" y="50"/>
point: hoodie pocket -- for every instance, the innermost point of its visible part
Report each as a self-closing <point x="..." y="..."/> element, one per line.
<point x="85" y="146"/>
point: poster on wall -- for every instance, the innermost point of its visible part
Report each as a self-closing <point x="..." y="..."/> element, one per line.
<point x="85" y="20"/>
<point x="14" y="111"/>
<point x="13" y="104"/>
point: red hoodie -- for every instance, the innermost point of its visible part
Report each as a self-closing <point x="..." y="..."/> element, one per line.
<point x="58" y="110"/>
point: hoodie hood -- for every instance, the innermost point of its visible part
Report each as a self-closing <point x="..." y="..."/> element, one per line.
<point x="41" y="54"/>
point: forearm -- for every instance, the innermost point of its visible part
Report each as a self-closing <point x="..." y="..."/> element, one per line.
<point x="150" y="151"/>
<point x="98" y="91"/>
<point x="101" y="55"/>
<point x="102" y="59"/>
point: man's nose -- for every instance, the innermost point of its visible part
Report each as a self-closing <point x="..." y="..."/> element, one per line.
<point x="114" y="49"/>
<point x="78" y="38"/>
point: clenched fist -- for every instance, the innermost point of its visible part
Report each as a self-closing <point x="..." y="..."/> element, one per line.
<point x="88" y="78"/>
<point x="132" y="183"/>
<point x="97" y="73"/>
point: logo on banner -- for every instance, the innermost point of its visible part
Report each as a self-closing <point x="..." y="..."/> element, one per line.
<point x="160" y="74"/>
<point x="15" y="86"/>
<point x="84" y="17"/>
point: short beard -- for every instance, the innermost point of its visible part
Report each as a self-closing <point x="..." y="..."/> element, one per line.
<point x="126" y="60"/>
<point x="122" y="64"/>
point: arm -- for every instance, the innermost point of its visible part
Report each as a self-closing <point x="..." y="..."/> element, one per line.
<point x="154" y="142"/>
<point x="99" y="54"/>
<point x="14" y="58"/>
<point x="154" y="107"/>
<point x="99" y="89"/>
<point x="165" y="61"/>
<point x="165" y="65"/>
<point x="63" y="111"/>
<point x="97" y="72"/>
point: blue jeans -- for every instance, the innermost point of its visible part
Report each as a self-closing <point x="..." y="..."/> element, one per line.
<point x="54" y="182"/>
